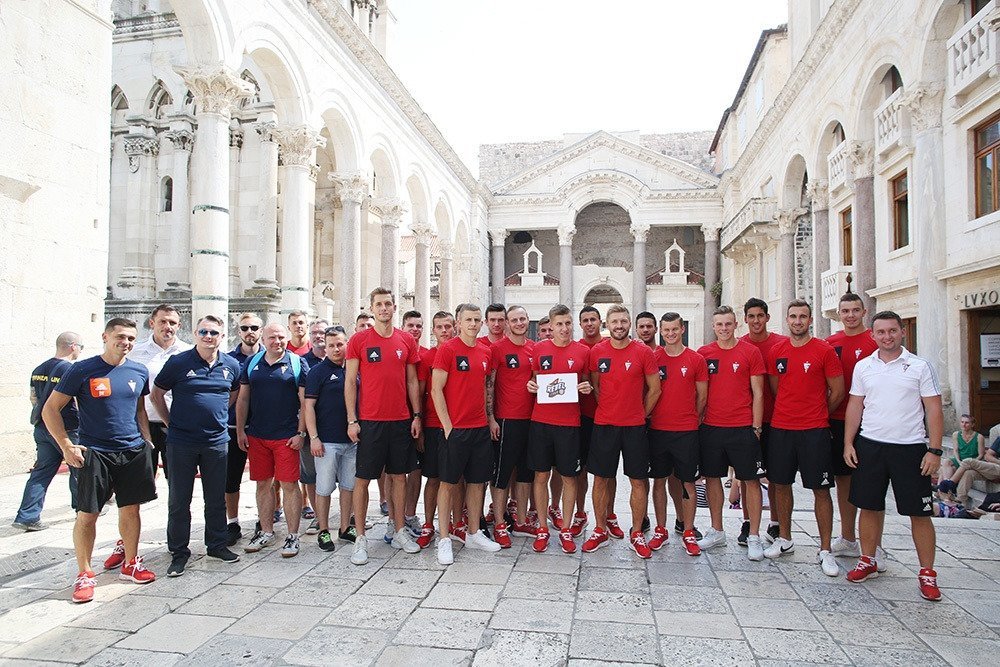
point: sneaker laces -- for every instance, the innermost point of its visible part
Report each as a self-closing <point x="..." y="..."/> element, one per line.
<point x="289" y="542"/>
<point x="927" y="579"/>
<point x="639" y="539"/>
<point x="864" y="564"/>
<point x="137" y="565"/>
<point x="84" y="581"/>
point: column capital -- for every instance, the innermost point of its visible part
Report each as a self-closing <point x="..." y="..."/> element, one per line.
<point x="566" y="234"/>
<point x="353" y="186"/>
<point x="862" y="156"/>
<point x="235" y="134"/>
<point x="924" y="103"/>
<point x="423" y="233"/>
<point x="297" y="144"/>
<point x="265" y="130"/>
<point x="786" y="219"/>
<point x="710" y="232"/>
<point x="818" y="192"/>
<point x="639" y="231"/>
<point x="138" y="146"/>
<point x="182" y="140"/>
<point x="216" y="89"/>
<point x="498" y="236"/>
<point x="389" y="209"/>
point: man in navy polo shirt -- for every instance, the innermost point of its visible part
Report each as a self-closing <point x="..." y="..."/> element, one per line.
<point x="202" y="381"/>
<point x="236" y="462"/>
<point x="114" y="453"/>
<point x="272" y="388"/>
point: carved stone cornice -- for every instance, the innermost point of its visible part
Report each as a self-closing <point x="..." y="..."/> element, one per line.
<point x="787" y="219"/>
<point x="566" y="234"/>
<point x="924" y="103"/>
<point x="182" y="140"/>
<point x="423" y="234"/>
<point x="137" y="147"/>
<point x="389" y="209"/>
<point x="639" y="231"/>
<point x="216" y="89"/>
<point x="498" y="235"/>
<point x="711" y="232"/>
<point x="352" y="186"/>
<point x="862" y="157"/>
<point x="694" y="195"/>
<point x="818" y="192"/>
<point x="297" y="144"/>
<point x="265" y="130"/>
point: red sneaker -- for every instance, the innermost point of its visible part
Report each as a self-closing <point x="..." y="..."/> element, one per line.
<point x="566" y="540"/>
<point x="489" y="515"/>
<point x="541" y="542"/>
<point x="501" y="536"/>
<point x="136" y="572"/>
<point x="117" y="557"/>
<point x="532" y="518"/>
<point x="426" y="535"/>
<point x="639" y="545"/>
<point x="691" y="543"/>
<point x="524" y="530"/>
<point x="458" y="531"/>
<point x="579" y="523"/>
<point x="614" y="530"/>
<point x="555" y="516"/>
<point x="597" y="539"/>
<point x="660" y="536"/>
<point x="927" y="580"/>
<point x="83" y="588"/>
<point x="866" y="568"/>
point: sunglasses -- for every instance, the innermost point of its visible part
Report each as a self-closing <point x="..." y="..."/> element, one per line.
<point x="249" y="327"/>
<point x="209" y="332"/>
<point x="334" y="329"/>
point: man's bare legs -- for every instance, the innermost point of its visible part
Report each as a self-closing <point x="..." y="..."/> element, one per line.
<point x="848" y="512"/>
<point x="84" y="534"/>
<point x="265" y="505"/>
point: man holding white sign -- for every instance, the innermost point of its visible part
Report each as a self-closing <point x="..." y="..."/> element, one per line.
<point x="560" y="376"/>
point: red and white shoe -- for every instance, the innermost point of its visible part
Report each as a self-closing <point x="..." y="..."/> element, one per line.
<point x="597" y="539"/>
<point x="927" y="580"/>
<point x="426" y="535"/>
<point x="511" y="507"/>
<point x="117" y="557"/>
<point x="615" y="530"/>
<point x="865" y="569"/>
<point x="691" y="543"/>
<point x="638" y="540"/>
<point x="501" y="536"/>
<point x="555" y="516"/>
<point x="83" y="587"/>
<point x="458" y="531"/>
<point x="524" y="530"/>
<point x="541" y="542"/>
<point x="567" y="543"/>
<point x="580" y="520"/>
<point x="136" y="572"/>
<point x="490" y="518"/>
<point x="659" y="538"/>
<point x="532" y="517"/>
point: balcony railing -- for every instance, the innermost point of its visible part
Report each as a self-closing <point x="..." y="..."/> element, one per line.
<point x="834" y="285"/>
<point x="892" y="124"/>
<point x="839" y="166"/>
<point x="973" y="52"/>
<point x="759" y="210"/>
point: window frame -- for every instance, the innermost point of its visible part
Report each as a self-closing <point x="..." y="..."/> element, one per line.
<point x="980" y="152"/>
<point x="900" y="199"/>
<point x="910" y="334"/>
<point x="847" y="237"/>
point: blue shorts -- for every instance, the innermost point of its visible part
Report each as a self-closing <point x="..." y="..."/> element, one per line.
<point x="336" y="466"/>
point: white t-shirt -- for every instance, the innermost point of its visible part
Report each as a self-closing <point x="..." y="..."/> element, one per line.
<point x="152" y="356"/>
<point x="894" y="412"/>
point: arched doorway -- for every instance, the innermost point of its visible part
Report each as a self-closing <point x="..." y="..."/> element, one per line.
<point x="602" y="297"/>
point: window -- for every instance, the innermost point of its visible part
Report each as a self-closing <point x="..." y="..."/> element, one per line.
<point x="910" y="334"/>
<point x="891" y="82"/>
<point x="846" y="237"/>
<point x="839" y="136"/>
<point x="987" y="152"/>
<point x="167" y="195"/>
<point x="976" y="6"/>
<point x="900" y="211"/>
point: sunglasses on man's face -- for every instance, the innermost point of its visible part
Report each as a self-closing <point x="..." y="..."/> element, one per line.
<point x="209" y="332"/>
<point x="249" y="327"/>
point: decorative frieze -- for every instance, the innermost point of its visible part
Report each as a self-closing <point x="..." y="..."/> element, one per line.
<point x="137" y="147"/>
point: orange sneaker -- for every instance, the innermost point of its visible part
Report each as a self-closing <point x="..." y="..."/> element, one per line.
<point x="136" y="572"/>
<point x="83" y="587"/>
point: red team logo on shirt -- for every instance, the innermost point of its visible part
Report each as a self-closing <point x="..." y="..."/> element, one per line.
<point x="100" y="387"/>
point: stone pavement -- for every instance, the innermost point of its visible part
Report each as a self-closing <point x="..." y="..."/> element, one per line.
<point x="512" y="608"/>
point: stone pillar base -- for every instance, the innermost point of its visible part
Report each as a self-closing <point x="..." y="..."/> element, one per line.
<point x="136" y="282"/>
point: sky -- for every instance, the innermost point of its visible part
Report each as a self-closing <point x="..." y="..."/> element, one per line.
<point x="526" y="70"/>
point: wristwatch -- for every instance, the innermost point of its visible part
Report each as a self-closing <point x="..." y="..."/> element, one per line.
<point x="302" y="434"/>
<point x="935" y="452"/>
<point x="354" y="421"/>
<point x="418" y="415"/>
<point x="758" y="429"/>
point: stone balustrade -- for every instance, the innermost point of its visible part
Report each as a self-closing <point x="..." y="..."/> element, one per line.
<point x="758" y="210"/>
<point x="839" y="166"/>
<point x="834" y="285"/>
<point x="973" y="52"/>
<point x="892" y="124"/>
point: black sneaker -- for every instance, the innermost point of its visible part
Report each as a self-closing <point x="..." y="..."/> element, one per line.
<point x="772" y="533"/>
<point x="484" y="527"/>
<point x="224" y="555"/>
<point x="325" y="541"/>
<point x="234" y="533"/>
<point x="679" y="529"/>
<point x="177" y="565"/>
<point x="349" y="535"/>
<point x="744" y="534"/>
<point x="645" y="524"/>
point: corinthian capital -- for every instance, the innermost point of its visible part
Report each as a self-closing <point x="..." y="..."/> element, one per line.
<point x="787" y="219"/>
<point x="423" y="234"/>
<point x="389" y="209"/>
<point x="137" y="147"/>
<point x="182" y="140"/>
<point x="861" y="154"/>
<point x="353" y="186"/>
<point x="639" y="231"/>
<point x="499" y="235"/>
<point x="297" y="144"/>
<point x="566" y="234"/>
<point x="710" y="232"/>
<point x="818" y="192"/>
<point x="216" y="88"/>
<point x="924" y="103"/>
<point x="265" y="130"/>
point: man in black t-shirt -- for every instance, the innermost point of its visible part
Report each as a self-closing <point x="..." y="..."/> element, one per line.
<point x="48" y="456"/>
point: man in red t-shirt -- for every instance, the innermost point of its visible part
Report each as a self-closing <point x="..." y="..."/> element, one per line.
<point x="544" y="329"/>
<point x="554" y="436"/>
<point x="627" y="385"/>
<point x="386" y="360"/>
<point x="731" y="427"/>
<point x="413" y="324"/>
<point x="807" y="382"/>
<point x="673" y="429"/>
<point x="852" y="345"/>
<point x="298" y="328"/>
<point x="590" y="325"/>
<point x="496" y="324"/>
<point x="756" y="317"/>
<point x="510" y="421"/>
<point x="458" y="387"/>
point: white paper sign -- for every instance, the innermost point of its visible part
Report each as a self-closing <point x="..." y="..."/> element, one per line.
<point x="557" y="388"/>
<point x="989" y="349"/>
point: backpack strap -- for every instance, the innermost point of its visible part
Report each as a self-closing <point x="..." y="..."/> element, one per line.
<point x="254" y="360"/>
<point x="296" y="362"/>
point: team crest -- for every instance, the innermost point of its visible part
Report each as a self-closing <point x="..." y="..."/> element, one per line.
<point x="663" y="373"/>
<point x="513" y="361"/>
<point x="628" y="365"/>
<point x="399" y="354"/>
<point x="570" y="362"/>
<point x="374" y="354"/>
<point x="805" y="366"/>
<point x="781" y="365"/>
<point x="132" y="384"/>
<point x="684" y="371"/>
<point x="462" y="363"/>
<point x="736" y="366"/>
<point x="603" y="365"/>
<point x="857" y="353"/>
<point x="284" y="368"/>
<point x="225" y="373"/>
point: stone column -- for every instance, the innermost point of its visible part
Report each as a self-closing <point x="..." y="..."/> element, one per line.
<point x="639" y="234"/>
<point x="819" y="193"/>
<point x="863" y="218"/>
<point x="217" y="91"/>
<point x="266" y="275"/>
<point x="179" y="219"/>
<point x="297" y="147"/>
<point x="390" y="210"/>
<point x="497" y="268"/>
<point x="711" y="234"/>
<point x="787" y="225"/>
<point x="566" y="235"/>
<point x="236" y="137"/>
<point x="423" y="234"/>
<point x="137" y="279"/>
<point x="445" y="293"/>
<point x="353" y="187"/>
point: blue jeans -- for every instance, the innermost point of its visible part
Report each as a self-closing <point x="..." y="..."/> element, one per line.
<point x="184" y="462"/>
<point x="48" y="458"/>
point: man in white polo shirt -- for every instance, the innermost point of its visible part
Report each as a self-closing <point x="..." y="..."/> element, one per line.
<point x="892" y="393"/>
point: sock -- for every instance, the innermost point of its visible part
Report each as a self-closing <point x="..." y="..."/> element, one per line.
<point x="772" y="523"/>
<point x="234" y="519"/>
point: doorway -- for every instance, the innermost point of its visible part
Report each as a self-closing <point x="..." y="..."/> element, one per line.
<point x="984" y="367"/>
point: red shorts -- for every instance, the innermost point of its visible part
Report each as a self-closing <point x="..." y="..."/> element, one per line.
<point x="272" y="458"/>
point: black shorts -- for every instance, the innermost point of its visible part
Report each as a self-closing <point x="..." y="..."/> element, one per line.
<point x="512" y="452"/>
<point x="736" y="446"/>
<point x="765" y="438"/>
<point x="840" y="467"/>
<point x="236" y="463"/>
<point x="806" y="452"/>
<point x="551" y="446"/>
<point x="385" y="446"/>
<point x="128" y="473"/>
<point x="466" y="453"/>
<point x="586" y="435"/>
<point x="880" y="463"/>
<point x="674" y="452"/>
<point x="627" y="442"/>
<point x="430" y="465"/>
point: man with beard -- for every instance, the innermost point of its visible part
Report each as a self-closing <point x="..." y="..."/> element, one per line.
<point x="236" y="462"/>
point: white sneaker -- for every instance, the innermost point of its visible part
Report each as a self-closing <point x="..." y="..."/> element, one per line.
<point x="360" y="555"/>
<point x="779" y="547"/>
<point x="445" y="554"/>
<point x="842" y="547"/>
<point x="414" y="525"/>
<point x="713" y="538"/>
<point x="881" y="557"/>
<point x="828" y="562"/>
<point x="390" y="532"/>
<point x="755" y="548"/>
<point x="478" y="540"/>
<point x="403" y="540"/>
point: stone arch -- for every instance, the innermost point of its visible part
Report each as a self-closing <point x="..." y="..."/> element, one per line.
<point x="790" y="194"/>
<point x="610" y="186"/>
<point x="119" y="105"/>
<point x="825" y="142"/>
<point x="208" y="30"/>
<point x="443" y="218"/>
<point x="874" y="92"/>
<point x="602" y="284"/>
<point x="946" y="20"/>
<point x="384" y="169"/>
<point x="158" y="99"/>
<point x="416" y="191"/>
<point x="275" y="58"/>
<point x="343" y="129"/>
